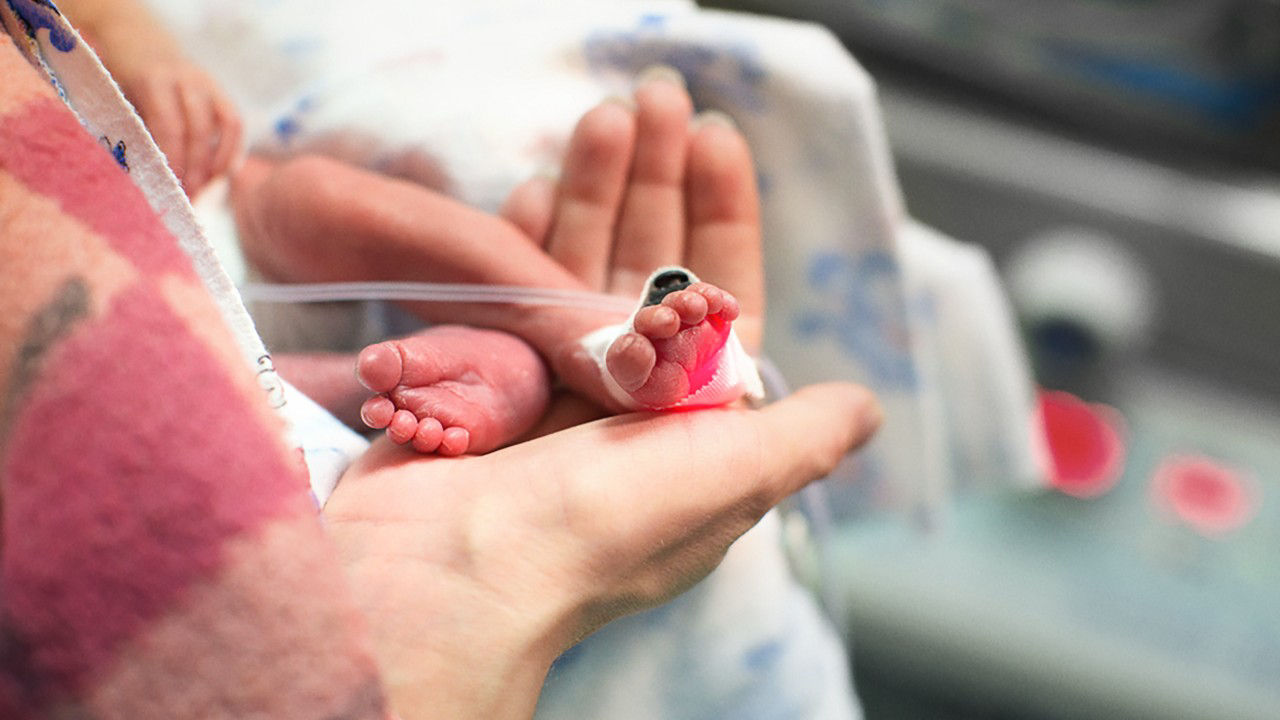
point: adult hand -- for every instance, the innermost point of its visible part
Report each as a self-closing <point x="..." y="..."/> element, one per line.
<point x="476" y="572"/>
<point x="650" y="186"/>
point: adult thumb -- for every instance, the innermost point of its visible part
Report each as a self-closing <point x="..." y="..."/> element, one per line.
<point x="805" y="435"/>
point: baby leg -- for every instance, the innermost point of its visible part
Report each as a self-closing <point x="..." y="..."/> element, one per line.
<point x="453" y="390"/>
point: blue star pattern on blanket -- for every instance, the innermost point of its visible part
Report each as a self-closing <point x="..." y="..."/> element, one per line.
<point x="860" y="319"/>
<point x="730" y="71"/>
<point x="118" y="151"/>
<point x="36" y="14"/>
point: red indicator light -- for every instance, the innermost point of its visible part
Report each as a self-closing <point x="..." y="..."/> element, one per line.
<point x="1207" y="495"/>
<point x="1085" y="444"/>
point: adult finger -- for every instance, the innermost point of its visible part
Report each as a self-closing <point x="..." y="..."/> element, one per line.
<point x="751" y="460"/>
<point x="651" y="226"/>
<point x="591" y="185"/>
<point x="675" y="471"/>
<point x="230" y="131"/>
<point x="648" y="504"/>
<point x="804" y="436"/>
<point x="529" y="207"/>
<point x="197" y="109"/>
<point x="724" y="244"/>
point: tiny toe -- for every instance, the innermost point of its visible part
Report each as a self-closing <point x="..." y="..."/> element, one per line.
<point x="379" y="367"/>
<point x="376" y="412"/>
<point x="657" y="321"/>
<point x="402" y="427"/>
<point x="719" y="302"/>
<point x="630" y="360"/>
<point x="712" y="294"/>
<point x="690" y="306"/>
<point x="454" y="441"/>
<point x="428" y="436"/>
<point x="731" y="308"/>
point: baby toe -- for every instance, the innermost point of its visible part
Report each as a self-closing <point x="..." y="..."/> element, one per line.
<point x="712" y="294"/>
<point x="657" y="322"/>
<point x="376" y="412"/>
<point x="379" y="367"/>
<point x="428" y="435"/>
<point x="690" y="306"/>
<point x="402" y="427"/>
<point x="454" y="441"/>
<point x="630" y="360"/>
<point x="730" y="309"/>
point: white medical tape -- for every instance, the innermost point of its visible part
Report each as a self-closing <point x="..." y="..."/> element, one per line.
<point x="735" y="375"/>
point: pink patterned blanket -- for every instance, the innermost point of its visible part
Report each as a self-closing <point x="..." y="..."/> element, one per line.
<point x="159" y="554"/>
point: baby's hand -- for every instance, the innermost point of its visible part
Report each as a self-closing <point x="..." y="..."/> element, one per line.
<point x="192" y="121"/>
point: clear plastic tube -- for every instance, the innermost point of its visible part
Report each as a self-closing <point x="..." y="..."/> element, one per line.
<point x="433" y="292"/>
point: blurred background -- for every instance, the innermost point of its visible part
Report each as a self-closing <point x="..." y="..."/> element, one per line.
<point x="1120" y="160"/>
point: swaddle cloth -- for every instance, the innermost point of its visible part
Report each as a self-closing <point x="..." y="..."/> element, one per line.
<point x="725" y="373"/>
<point x="53" y="46"/>
<point x="159" y="556"/>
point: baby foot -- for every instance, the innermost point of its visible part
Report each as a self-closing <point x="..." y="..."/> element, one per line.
<point x="453" y="390"/>
<point x="674" y="350"/>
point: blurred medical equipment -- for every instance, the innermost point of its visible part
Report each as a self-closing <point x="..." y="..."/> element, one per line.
<point x="1120" y="605"/>
<point x="1179" y="75"/>
<point x="1117" y="158"/>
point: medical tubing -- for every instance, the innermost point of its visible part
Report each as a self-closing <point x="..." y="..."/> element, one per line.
<point x="433" y="292"/>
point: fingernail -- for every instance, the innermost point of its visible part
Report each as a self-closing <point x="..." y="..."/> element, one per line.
<point x="660" y="73"/>
<point x="549" y="172"/>
<point x="713" y="117"/>
<point x="622" y="100"/>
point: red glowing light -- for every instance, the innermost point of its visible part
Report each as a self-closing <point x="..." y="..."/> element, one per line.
<point x="1085" y="444"/>
<point x="1208" y="495"/>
